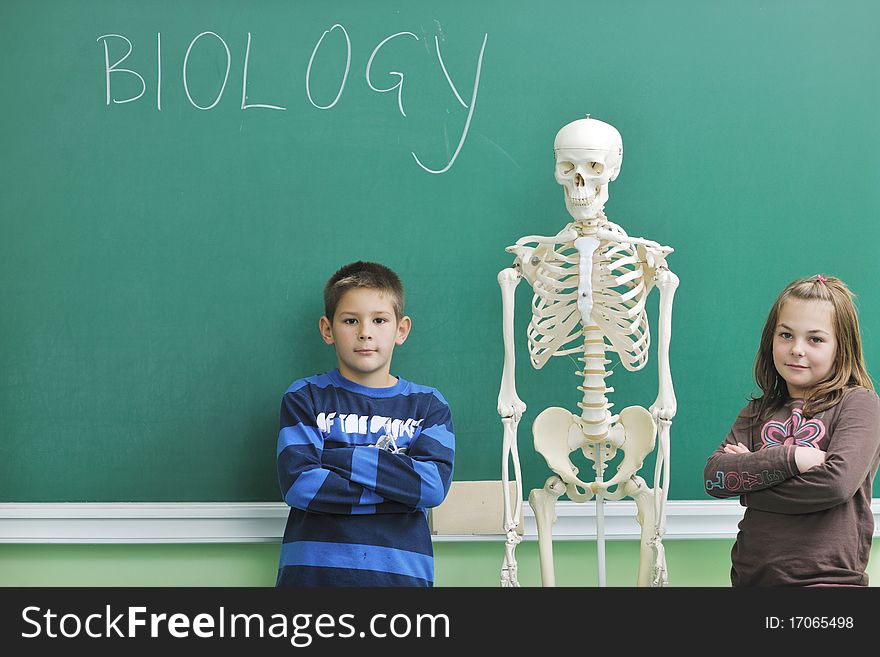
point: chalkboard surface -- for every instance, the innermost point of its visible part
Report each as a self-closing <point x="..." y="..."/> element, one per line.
<point x="179" y="179"/>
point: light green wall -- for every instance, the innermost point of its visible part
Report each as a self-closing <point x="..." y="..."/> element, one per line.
<point x="691" y="563"/>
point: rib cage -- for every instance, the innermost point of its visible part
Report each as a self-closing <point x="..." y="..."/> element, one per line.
<point x="620" y="287"/>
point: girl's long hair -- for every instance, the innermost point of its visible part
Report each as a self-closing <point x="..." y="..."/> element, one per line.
<point x="848" y="370"/>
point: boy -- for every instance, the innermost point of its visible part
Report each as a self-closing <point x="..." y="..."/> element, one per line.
<point x="362" y="454"/>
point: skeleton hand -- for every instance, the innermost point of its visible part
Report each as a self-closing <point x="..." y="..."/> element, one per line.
<point x="509" y="565"/>
<point x="660" y="576"/>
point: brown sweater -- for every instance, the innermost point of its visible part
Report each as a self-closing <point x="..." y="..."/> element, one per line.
<point x="809" y="528"/>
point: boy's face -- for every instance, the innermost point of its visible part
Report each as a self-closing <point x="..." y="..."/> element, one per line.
<point x="364" y="332"/>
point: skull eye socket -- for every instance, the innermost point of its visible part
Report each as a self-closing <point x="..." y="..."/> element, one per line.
<point x="597" y="168"/>
<point x="565" y="167"/>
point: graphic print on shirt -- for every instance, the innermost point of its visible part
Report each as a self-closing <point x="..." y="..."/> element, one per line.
<point x="379" y="431"/>
<point x="744" y="480"/>
<point x="794" y="431"/>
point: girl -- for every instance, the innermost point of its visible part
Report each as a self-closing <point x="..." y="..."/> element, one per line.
<point x="802" y="456"/>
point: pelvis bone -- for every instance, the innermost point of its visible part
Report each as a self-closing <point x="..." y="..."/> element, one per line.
<point x="557" y="433"/>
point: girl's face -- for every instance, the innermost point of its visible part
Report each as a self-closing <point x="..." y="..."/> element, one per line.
<point x="804" y="344"/>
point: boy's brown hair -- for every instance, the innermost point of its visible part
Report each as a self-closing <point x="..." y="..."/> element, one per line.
<point x="848" y="370"/>
<point x="363" y="274"/>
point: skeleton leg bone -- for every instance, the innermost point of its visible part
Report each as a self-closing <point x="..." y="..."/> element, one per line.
<point x="543" y="503"/>
<point x="638" y="490"/>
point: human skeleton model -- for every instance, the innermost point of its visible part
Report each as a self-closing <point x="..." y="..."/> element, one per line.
<point x="590" y="283"/>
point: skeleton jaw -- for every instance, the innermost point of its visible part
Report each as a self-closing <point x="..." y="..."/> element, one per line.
<point x="586" y="204"/>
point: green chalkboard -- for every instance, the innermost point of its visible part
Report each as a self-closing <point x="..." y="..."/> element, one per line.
<point x="166" y="227"/>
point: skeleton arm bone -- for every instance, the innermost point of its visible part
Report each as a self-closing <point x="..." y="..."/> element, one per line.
<point x="665" y="405"/>
<point x="664" y="408"/>
<point x="509" y="403"/>
<point x="510" y="408"/>
<point x="511" y="516"/>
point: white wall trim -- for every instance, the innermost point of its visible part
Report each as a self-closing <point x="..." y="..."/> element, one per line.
<point x="263" y="522"/>
<point x="136" y="522"/>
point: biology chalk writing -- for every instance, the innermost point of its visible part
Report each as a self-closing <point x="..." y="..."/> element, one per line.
<point x="121" y="48"/>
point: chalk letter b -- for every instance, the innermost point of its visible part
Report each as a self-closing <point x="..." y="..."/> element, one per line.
<point x="108" y="69"/>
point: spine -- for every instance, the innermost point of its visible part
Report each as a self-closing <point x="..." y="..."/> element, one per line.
<point x="594" y="405"/>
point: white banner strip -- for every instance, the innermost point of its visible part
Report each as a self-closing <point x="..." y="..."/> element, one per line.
<point x="263" y="522"/>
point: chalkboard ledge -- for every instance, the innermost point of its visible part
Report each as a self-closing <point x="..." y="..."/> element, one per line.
<point x="263" y="522"/>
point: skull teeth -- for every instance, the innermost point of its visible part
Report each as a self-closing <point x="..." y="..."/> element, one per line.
<point x="582" y="198"/>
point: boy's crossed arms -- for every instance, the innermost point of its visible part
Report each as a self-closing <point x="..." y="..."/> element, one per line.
<point x="362" y="479"/>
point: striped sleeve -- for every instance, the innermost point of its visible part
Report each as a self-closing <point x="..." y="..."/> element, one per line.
<point x="420" y="478"/>
<point x="305" y="483"/>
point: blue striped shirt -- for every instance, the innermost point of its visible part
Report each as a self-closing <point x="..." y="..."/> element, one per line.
<point x="359" y="468"/>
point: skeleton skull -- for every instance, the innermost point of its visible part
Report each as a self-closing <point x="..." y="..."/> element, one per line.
<point x="588" y="156"/>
